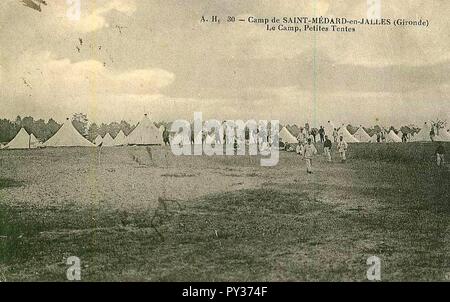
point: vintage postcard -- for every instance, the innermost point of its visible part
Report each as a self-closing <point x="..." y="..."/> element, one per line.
<point x="233" y="141"/>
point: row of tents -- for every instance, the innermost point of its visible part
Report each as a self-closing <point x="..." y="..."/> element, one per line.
<point x="424" y="135"/>
<point x="361" y="136"/>
<point x="145" y="133"/>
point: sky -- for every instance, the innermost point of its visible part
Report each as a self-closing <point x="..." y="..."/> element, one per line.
<point x="156" y="57"/>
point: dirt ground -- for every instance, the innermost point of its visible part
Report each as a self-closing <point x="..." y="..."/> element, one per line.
<point x="137" y="213"/>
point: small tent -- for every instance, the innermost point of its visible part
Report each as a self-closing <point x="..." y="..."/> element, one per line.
<point x="98" y="140"/>
<point x="423" y="135"/>
<point x="68" y="136"/>
<point x="346" y="135"/>
<point x="22" y="140"/>
<point x="145" y="133"/>
<point x="391" y="137"/>
<point x="108" y="141"/>
<point x="286" y="137"/>
<point x="120" y="139"/>
<point x="362" y="135"/>
<point x="34" y="142"/>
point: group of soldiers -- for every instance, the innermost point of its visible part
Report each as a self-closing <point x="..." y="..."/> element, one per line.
<point x="308" y="150"/>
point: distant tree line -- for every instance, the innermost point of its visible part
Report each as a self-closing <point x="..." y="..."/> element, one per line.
<point x="41" y="129"/>
<point x="44" y="130"/>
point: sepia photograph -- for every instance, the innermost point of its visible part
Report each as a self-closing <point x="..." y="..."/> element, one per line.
<point x="224" y="141"/>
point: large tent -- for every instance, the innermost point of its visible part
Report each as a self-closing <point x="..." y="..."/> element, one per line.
<point x="391" y="137"/>
<point x="423" y="135"/>
<point x="120" y="139"/>
<point x="68" y="136"/>
<point x="22" y="140"/>
<point x="346" y="135"/>
<point x="362" y="135"/>
<point x="145" y="133"/>
<point x="108" y="141"/>
<point x="286" y="137"/>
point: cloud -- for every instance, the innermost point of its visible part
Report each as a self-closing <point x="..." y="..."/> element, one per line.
<point x="93" y="15"/>
<point x="95" y="18"/>
<point x="42" y="83"/>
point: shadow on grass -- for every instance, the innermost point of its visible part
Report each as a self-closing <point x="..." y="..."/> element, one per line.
<point x="7" y="183"/>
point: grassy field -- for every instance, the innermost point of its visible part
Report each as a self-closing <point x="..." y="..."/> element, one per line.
<point x="142" y="214"/>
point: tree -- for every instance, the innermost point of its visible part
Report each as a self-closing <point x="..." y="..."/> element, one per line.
<point x="8" y="130"/>
<point x="28" y="124"/>
<point x="93" y="132"/>
<point x="114" y="129"/>
<point x="51" y="129"/>
<point x="18" y="120"/>
<point x="80" y="122"/>
<point x="352" y="129"/>
<point x="126" y="127"/>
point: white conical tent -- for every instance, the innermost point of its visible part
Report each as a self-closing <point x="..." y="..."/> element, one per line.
<point x="22" y="140"/>
<point x="391" y="137"/>
<point x="362" y="135"/>
<point x="287" y="137"/>
<point x="34" y="142"/>
<point x="98" y="140"/>
<point x="423" y="135"/>
<point x="68" y="136"/>
<point x="346" y="135"/>
<point x="145" y="133"/>
<point x="120" y="139"/>
<point x="108" y="141"/>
